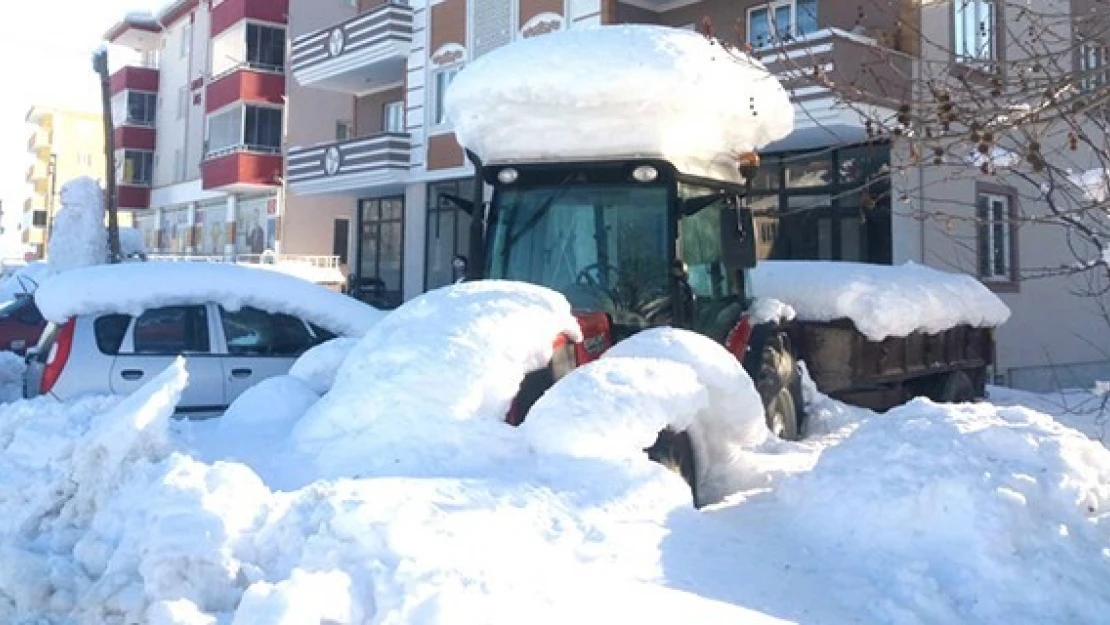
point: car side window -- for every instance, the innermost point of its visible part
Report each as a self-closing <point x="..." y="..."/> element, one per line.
<point x="254" y="332"/>
<point x="109" y="331"/>
<point x="172" y="330"/>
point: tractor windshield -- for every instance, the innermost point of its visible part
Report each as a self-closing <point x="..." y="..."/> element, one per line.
<point x="603" y="246"/>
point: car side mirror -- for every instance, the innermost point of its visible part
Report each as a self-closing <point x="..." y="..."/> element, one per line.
<point x="738" y="249"/>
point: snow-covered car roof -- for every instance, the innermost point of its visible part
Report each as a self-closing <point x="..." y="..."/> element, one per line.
<point x="131" y="288"/>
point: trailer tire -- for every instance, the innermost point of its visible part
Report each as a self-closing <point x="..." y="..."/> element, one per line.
<point x="675" y="451"/>
<point x="780" y="388"/>
<point x="954" y="388"/>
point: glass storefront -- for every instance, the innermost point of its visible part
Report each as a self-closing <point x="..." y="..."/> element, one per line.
<point x="175" y="230"/>
<point x="448" y="230"/>
<point x="254" y="234"/>
<point x="381" y="228"/>
<point x="831" y="204"/>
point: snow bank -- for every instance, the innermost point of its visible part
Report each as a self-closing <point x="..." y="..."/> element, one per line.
<point x="963" y="514"/>
<point x="79" y="237"/>
<point x="454" y="357"/>
<point x="131" y="288"/>
<point x="131" y="242"/>
<point x="12" y="367"/>
<point x="632" y="90"/>
<point x="881" y="300"/>
<point x="280" y="399"/>
<point x="306" y="271"/>
<point x="317" y="367"/>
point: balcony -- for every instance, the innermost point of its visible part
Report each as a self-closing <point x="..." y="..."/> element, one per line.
<point x="134" y="138"/>
<point x="241" y="169"/>
<point x="230" y="12"/>
<point x="246" y="84"/>
<point x="876" y="73"/>
<point x="366" y="51"/>
<point x="379" y="163"/>
<point x="132" y="196"/>
<point x="37" y="172"/>
<point x="135" y="78"/>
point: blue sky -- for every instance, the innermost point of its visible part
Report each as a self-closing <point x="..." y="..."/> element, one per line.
<point x="45" y="58"/>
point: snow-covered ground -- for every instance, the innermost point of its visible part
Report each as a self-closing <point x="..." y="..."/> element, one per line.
<point x="376" y="484"/>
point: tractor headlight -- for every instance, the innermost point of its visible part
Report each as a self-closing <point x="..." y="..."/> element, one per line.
<point x="645" y="173"/>
<point x="507" y="175"/>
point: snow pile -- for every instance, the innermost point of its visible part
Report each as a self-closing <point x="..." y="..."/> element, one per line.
<point x="628" y="90"/>
<point x="131" y="243"/>
<point x="12" y="367"/>
<point x="881" y="300"/>
<point x="317" y="367"/>
<point x="79" y="237"/>
<point x="306" y="271"/>
<point x="962" y="514"/>
<point x="453" y="357"/>
<point x="659" y="379"/>
<point x="131" y="288"/>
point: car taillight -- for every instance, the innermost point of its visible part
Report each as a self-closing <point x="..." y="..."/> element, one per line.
<point x="57" y="357"/>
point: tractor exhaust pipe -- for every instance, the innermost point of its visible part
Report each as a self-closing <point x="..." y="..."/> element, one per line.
<point x="475" y="265"/>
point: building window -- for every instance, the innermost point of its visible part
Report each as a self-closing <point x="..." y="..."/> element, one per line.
<point x="343" y="130"/>
<point x="141" y="108"/>
<point x="266" y="47"/>
<point x="995" y="221"/>
<point x="262" y="129"/>
<point x="186" y="39"/>
<point x="1094" y="66"/>
<point x="256" y="128"/>
<point x="975" y="35"/>
<point x="776" y="23"/>
<point x="138" y="167"/>
<point x="448" y="230"/>
<point x="225" y="131"/>
<point x="38" y="219"/>
<point x="441" y="82"/>
<point x="381" y="224"/>
<point x="393" y="117"/>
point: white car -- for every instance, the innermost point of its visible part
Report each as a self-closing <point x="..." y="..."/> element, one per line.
<point x="113" y="328"/>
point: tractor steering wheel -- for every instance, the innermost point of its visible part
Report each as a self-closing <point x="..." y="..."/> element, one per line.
<point x="591" y="275"/>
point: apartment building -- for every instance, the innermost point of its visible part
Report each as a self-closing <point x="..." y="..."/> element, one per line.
<point x="63" y="145"/>
<point x="199" y="118"/>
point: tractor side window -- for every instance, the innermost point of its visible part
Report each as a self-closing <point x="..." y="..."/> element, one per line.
<point x="717" y="290"/>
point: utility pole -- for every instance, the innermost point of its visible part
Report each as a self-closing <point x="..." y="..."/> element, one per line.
<point x="51" y="193"/>
<point x="100" y="64"/>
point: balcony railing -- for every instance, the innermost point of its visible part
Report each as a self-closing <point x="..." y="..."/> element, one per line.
<point x="377" y="162"/>
<point x="868" y="65"/>
<point x="367" y="50"/>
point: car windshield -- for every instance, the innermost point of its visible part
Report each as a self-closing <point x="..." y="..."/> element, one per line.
<point x="603" y="246"/>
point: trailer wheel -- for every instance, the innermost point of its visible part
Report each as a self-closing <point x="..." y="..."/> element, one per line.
<point x="674" y="451"/>
<point x="780" y="388"/>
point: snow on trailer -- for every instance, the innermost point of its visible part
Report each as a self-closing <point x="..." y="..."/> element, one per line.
<point x="131" y="288"/>
<point x="881" y="301"/>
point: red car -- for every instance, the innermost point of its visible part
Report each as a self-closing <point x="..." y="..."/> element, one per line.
<point x="21" y="324"/>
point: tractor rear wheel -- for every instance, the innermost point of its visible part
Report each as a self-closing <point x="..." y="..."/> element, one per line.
<point x="780" y="387"/>
<point x="675" y="451"/>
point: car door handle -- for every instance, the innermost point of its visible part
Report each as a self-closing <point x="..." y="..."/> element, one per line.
<point x="131" y="374"/>
<point x="241" y="373"/>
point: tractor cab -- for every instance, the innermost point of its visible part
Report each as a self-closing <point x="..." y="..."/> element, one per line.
<point x="635" y="239"/>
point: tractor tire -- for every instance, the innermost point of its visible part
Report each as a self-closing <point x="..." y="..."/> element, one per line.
<point x="953" y="388"/>
<point x="780" y="387"/>
<point x="675" y="451"/>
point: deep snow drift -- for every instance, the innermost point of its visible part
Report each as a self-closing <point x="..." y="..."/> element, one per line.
<point x="131" y="288"/>
<point x="300" y="508"/>
<point x="627" y="90"/>
<point x="881" y="300"/>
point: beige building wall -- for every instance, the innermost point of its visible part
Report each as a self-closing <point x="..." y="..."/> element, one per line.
<point x="309" y="222"/>
<point x="75" y="142"/>
<point x="1054" y="337"/>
